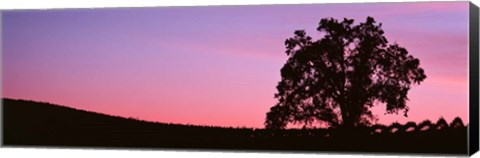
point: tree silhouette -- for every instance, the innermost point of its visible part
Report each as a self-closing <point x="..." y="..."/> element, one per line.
<point x="337" y="79"/>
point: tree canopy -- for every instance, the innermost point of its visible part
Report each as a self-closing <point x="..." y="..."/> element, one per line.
<point x="336" y="79"/>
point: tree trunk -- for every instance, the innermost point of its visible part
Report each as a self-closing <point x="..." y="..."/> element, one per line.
<point x="347" y="120"/>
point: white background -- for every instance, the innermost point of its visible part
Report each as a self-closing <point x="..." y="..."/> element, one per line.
<point x="116" y="153"/>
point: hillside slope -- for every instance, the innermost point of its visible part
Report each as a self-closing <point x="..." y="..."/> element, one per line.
<point x="34" y="123"/>
<point x="28" y="123"/>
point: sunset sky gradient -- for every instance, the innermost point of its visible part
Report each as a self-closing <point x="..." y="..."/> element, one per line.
<point x="213" y="65"/>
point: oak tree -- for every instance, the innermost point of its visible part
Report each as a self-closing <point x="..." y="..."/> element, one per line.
<point x="339" y="77"/>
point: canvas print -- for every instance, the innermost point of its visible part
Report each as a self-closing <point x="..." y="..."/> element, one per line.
<point x="360" y="77"/>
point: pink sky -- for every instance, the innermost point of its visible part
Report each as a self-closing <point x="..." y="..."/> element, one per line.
<point x="213" y="65"/>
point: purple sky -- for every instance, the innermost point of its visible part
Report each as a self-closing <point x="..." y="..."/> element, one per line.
<point x="213" y="65"/>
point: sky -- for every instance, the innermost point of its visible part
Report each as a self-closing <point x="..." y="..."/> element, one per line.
<point x="216" y="65"/>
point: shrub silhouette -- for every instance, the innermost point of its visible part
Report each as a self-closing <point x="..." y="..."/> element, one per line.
<point x="409" y="125"/>
<point x="378" y="129"/>
<point x="336" y="79"/>
<point x="394" y="127"/>
<point x="457" y="123"/>
<point x="441" y="124"/>
<point x="425" y="125"/>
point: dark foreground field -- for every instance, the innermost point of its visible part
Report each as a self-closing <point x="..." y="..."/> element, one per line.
<point x="27" y="123"/>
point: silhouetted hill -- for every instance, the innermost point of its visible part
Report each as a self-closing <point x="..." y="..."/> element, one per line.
<point x="28" y="123"/>
<point x="34" y="123"/>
